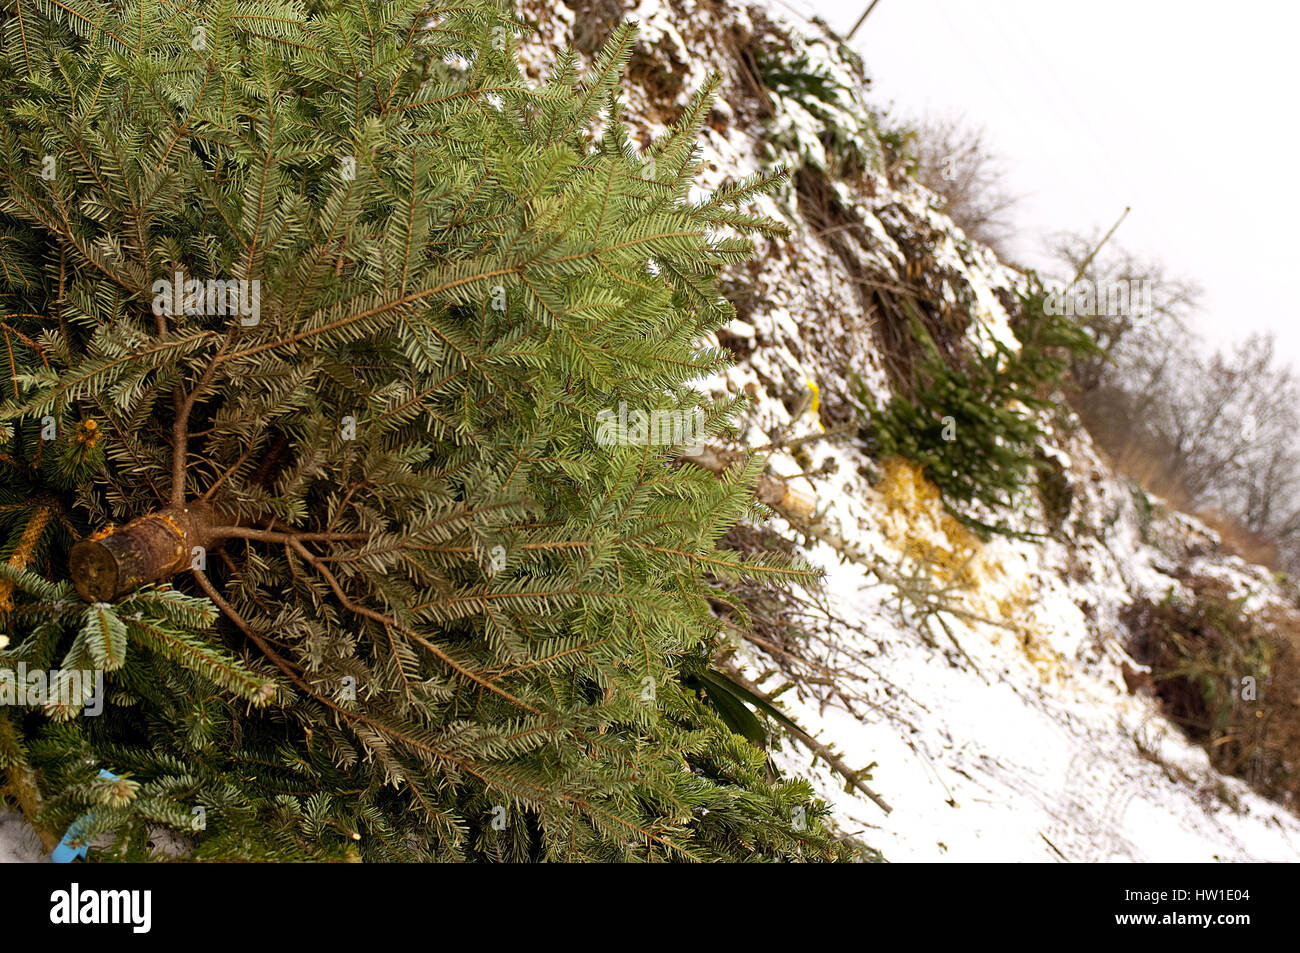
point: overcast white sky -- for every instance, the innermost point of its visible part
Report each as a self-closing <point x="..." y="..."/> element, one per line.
<point x="1183" y="109"/>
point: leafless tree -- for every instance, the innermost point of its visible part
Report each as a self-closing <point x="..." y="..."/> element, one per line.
<point x="1142" y="342"/>
<point x="1221" y="423"/>
<point x="1215" y="431"/>
<point x="954" y="160"/>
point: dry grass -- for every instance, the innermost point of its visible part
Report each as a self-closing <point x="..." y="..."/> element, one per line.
<point x="1230" y="678"/>
<point x="1135" y="460"/>
<point x="1257" y="548"/>
<point x="1156" y="477"/>
<point x="894" y="302"/>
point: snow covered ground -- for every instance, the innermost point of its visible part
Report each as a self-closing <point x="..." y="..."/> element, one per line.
<point x="1005" y="762"/>
<point x="1015" y="739"/>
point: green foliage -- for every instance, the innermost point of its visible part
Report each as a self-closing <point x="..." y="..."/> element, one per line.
<point x="732" y="702"/>
<point x="799" y="78"/>
<point x="447" y="622"/>
<point x="813" y="90"/>
<point x="973" y="425"/>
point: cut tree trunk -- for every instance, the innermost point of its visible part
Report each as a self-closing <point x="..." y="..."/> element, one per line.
<point x="774" y="491"/>
<point x="153" y="548"/>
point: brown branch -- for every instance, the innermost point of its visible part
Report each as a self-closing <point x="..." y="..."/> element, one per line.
<point x="184" y="406"/>
<point x="21" y="785"/>
<point x="820" y="750"/>
<point x="791" y="443"/>
<point x="385" y="620"/>
<point x="272" y="536"/>
<point x="233" y="615"/>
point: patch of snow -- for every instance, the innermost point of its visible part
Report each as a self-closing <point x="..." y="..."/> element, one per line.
<point x="18" y="842"/>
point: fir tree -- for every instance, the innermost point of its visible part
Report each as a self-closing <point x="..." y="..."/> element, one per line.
<point x="975" y="422"/>
<point x="310" y="312"/>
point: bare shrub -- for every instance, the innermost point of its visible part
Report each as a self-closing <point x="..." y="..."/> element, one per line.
<point x="1230" y="678"/>
<point x="953" y="159"/>
<point x="1212" y="432"/>
<point x="1141" y="345"/>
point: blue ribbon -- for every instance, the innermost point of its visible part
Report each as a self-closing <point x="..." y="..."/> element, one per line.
<point x="65" y="853"/>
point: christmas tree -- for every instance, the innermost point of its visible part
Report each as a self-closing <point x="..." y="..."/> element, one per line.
<point x="348" y="377"/>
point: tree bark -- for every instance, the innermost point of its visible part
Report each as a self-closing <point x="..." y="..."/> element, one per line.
<point x="774" y="491"/>
<point x="152" y="548"/>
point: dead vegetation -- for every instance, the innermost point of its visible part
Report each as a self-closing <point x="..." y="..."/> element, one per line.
<point x="955" y="160"/>
<point x="895" y="300"/>
<point x="796" y="633"/>
<point x="1154" y="474"/>
<point x="593" y="21"/>
<point x="1229" y="677"/>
